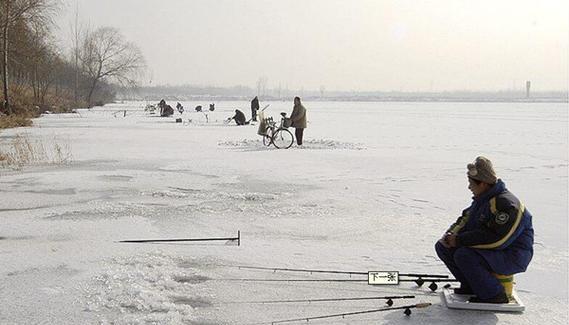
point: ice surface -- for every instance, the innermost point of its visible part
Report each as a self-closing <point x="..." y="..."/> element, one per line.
<point x="373" y="188"/>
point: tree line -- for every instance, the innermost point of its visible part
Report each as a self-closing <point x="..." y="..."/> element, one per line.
<point x="36" y="73"/>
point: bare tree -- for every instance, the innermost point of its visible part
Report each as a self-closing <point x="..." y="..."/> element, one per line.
<point x="107" y="56"/>
<point x="76" y="32"/>
<point x="31" y="12"/>
<point x="262" y="86"/>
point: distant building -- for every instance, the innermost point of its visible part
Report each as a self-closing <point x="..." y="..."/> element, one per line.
<point x="528" y="86"/>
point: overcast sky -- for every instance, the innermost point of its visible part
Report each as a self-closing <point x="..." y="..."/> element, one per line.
<point x="408" y="45"/>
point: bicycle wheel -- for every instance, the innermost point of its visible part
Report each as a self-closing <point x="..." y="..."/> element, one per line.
<point x="267" y="137"/>
<point x="283" y="139"/>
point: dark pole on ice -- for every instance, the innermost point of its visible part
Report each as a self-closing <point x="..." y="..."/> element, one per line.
<point x="238" y="239"/>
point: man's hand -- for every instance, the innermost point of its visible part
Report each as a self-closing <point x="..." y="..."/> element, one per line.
<point x="444" y="241"/>
<point x="448" y="240"/>
<point x="451" y="240"/>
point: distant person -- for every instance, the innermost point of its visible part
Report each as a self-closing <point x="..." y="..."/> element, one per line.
<point x="239" y="118"/>
<point x="180" y="108"/>
<point x="162" y="105"/>
<point x="491" y="241"/>
<point x="166" y="111"/>
<point x="298" y="120"/>
<point x="254" y="108"/>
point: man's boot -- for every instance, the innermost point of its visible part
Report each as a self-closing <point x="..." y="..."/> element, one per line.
<point x="501" y="298"/>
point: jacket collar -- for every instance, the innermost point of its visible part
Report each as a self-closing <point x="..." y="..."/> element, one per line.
<point x="498" y="188"/>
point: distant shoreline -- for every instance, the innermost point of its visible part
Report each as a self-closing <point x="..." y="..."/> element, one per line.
<point x="244" y="93"/>
<point x="354" y="99"/>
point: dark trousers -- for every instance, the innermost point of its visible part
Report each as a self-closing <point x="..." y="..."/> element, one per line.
<point x="298" y="134"/>
<point x="471" y="269"/>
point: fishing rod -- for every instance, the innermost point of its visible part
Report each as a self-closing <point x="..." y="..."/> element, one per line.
<point x="238" y="239"/>
<point x="389" y="299"/>
<point x="407" y="312"/>
<point x="433" y="286"/>
<point x="275" y="269"/>
<point x="292" y="280"/>
<point x="330" y="280"/>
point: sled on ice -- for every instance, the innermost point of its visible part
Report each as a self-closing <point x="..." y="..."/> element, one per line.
<point x="456" y="301"/>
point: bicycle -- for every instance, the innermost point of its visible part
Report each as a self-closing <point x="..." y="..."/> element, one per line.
<point x="279" y="136"/>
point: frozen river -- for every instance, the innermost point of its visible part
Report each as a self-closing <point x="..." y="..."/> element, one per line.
<point x="373" y="188"/>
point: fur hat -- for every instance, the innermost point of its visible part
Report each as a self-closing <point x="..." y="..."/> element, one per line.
<point x="482" y="170"/>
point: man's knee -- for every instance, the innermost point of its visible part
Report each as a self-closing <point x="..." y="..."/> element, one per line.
<point x="444" y="253"/>
<point x="440" y="249"/>
<point x="465" y="256"/>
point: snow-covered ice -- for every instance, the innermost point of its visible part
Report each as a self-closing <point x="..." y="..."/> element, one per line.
<point x="373" y="188"/>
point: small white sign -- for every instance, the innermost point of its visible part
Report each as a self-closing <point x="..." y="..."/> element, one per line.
<point x="383" y="277"/>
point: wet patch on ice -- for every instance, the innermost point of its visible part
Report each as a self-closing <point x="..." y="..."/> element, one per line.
<point x="65" y="191"/>
<point x="150" y="288"/>
<point x="252" y="184"/>
<point x="201" y="322"/>
<point x="26" y="209"/>
<point x="212" y="196"/>
<point x="304" y="235"/>
<point x="24" y="181"/>
<point x="193" y="279"/>
<point x="103" y="210"/>
<point x="201" y="263"/>
<point x="271" y="204"/>
<point x="250" y="196"/>
<point x="193" y="302"/>
<point x="16" y="238"/>
<point x="246" y="144"/>
<point x="243" y="189"/>
<point x="280" y="210"/>
<point x="312" y="144"/>
<point x="176" y="194"/>
<point x="185" y="190"/>
<point x="59" y="237"/>
<point x="115" y="178"/>
<point x="62" y="270"/>
<point x="185" y="170"/>
<point x="326" y="144"/>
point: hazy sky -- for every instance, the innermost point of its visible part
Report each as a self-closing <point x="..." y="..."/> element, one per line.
<point x="343" y="44"/>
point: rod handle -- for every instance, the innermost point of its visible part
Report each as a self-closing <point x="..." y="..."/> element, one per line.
<point x="423" y="305"/>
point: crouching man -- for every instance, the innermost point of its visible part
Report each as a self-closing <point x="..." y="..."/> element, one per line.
<point x="239" y="118"/>
<point x="492" y="240"/>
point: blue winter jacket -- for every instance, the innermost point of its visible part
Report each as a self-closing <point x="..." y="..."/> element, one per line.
<point x="500" y="228"/>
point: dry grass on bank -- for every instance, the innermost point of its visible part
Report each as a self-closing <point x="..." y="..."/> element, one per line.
<point x="25" y="107"/>
<point x="13" y="121"/>
<point x="24" y="151"/>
